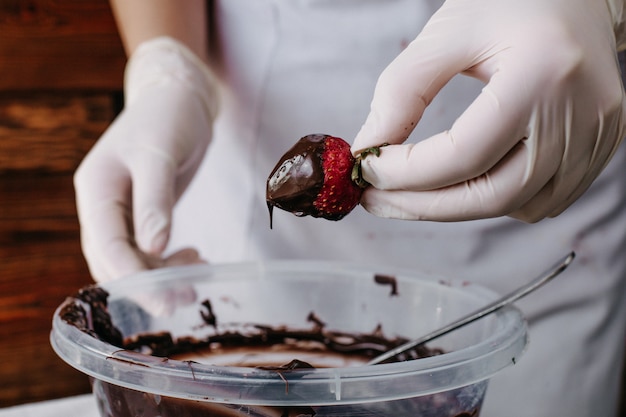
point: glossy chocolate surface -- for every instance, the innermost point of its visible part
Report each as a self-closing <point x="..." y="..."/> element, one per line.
<point x="298" y="177"/>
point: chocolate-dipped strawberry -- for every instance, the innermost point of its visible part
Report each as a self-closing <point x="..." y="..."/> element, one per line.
<point x="317" y="177"/>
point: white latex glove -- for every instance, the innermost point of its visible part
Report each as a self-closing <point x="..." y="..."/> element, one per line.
<point x="127" y="185"/>
<point x="548" y="120"/>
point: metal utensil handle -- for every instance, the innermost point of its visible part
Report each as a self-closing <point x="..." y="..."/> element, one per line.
<point x="488" y="309"/>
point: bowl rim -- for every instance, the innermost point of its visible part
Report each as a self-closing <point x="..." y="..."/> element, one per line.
<point x="195" y="381"/>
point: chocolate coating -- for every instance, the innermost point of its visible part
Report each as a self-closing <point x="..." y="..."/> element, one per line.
<point x="298" y="177"/>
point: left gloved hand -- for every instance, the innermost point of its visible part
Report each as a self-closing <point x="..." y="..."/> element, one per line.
<point x="549" y="119"/>
<point x="128" y="184"/>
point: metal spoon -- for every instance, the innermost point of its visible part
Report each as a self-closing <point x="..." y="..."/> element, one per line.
<point x="488" y="309"/>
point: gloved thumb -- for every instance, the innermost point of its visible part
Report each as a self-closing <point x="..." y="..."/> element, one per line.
<point x="154" y="174"/>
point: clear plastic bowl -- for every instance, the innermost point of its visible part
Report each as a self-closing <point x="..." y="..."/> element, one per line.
<point x="346" y="297"/>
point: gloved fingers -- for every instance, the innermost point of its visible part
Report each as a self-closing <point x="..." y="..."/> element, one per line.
<point x="153" y="175"/>
<point x="102" y="188"/>
<point x="531" y="142"/>
<point x="480" y="137"/>
<point x="498" y="192"/>
<point x="410" y="82"/>
<point x="520" y="75"/>
<point x="185" y="256"/>
<point x="164" y="302"/>
<point x="541" y="177"/>
<point x="159" y="179"/>
<point x="581" y="165"/>
<point x="107" y="242"/>
<point x="493" y="123"/>
<point x="554" y="198"/>
<point x="574" y="175"/>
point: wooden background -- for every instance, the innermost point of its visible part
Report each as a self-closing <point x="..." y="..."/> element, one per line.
<point x="61" y="65"/>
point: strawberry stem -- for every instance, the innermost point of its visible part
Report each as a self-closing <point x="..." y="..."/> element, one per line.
<point x="357" y="174"/>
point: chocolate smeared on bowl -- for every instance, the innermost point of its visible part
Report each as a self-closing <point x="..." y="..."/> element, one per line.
<point x="280" y="339"/>
<point x="88" y="312"/>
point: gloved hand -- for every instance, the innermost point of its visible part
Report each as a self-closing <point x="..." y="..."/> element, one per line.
<point x="549" y="118"/>
<point x="127" y="185"/>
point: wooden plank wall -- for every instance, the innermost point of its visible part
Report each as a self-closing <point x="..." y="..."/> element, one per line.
<point x="61" y="65"/>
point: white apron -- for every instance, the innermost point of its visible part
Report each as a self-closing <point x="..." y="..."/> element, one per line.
<point x="294" y="67"/>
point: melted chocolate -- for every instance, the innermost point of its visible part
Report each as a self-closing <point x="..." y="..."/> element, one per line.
<point x="366" y="345"/>
<point x="387" y="280"/>
<point x="297" y="178"/>
<point x="87" y="310"/>
<point x="208" y="317"/>
<point x="116" y="401"/>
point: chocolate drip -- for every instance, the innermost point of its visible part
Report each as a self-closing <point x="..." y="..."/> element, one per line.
<point x="387" y="280"/>
<point x="297" y="178"/>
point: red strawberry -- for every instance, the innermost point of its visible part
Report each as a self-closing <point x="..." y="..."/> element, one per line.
<point x="315" y="178"/>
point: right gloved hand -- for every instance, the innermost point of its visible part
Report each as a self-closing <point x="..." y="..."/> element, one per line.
<point x="550" y="117"/>
<point x="127" y="185"/>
